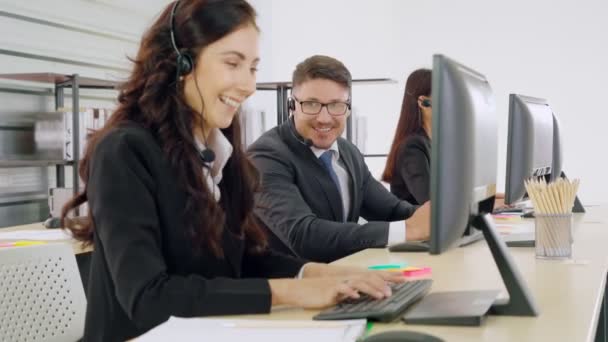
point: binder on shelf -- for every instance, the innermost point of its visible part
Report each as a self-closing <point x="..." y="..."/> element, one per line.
<point x="90" y="121"/>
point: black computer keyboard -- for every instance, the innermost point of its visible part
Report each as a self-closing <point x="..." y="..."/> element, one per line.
<point x="525" y="212"/>
<point x="385" y="310"/>
<point x="507" y="210"/>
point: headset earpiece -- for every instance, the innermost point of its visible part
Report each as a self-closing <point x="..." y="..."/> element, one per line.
<point x="184" y="64"/>
<point x="426" y="103"/>
<point x="291" y="104"/>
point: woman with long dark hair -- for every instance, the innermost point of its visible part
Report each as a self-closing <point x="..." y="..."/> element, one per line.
<point x="408" y="167"/>
<point x="170" y="191"/>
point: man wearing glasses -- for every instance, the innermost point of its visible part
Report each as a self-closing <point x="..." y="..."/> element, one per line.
<point x="315" y="184"/>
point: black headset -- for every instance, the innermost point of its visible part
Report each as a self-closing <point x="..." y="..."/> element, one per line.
<point x="184" y="60"/>
<point x="291" y="106"/>
<point x="424" y="103"/>
<point x="184" y="66"/>
<point x="296" y="135"/>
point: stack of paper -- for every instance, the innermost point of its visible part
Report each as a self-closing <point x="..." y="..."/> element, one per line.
<point x="213" y="329"/>
<point x="508" y="217"/>
<point x="36" y="235"/>
<point x="524" y="226"/>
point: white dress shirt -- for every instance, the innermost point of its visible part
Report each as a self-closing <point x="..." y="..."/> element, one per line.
<point x="223" y="150"/>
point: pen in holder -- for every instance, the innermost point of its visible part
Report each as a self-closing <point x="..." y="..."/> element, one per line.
<point x="553" y="216"/>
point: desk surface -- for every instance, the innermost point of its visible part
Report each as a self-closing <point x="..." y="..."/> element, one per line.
<point x="568" y="293"/>
<point x="77" y="246"/>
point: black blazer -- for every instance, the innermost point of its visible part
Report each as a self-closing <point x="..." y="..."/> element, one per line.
<point x="143" y="268"/>
<point x="302" y="207"/>
<point x="412" y="174"/>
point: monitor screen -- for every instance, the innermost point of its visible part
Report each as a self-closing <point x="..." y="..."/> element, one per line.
<point x="533" y="144"/>
<point x="463" y="151"/>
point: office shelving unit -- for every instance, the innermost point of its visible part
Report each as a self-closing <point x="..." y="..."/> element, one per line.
<point x="59" y="83"/>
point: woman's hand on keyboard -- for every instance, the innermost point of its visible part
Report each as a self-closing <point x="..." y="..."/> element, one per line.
<point x="316" y="293"/>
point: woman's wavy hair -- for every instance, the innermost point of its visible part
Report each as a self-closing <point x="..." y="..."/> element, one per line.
<point x="152" y="97"/>
<point x="410" y="120"/>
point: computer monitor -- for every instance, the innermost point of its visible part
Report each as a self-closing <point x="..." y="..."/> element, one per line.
<point x="530" y="144"/>
<point x="463" y="172"/>
<point x="463" y="151"/>
<point x="534" y="147"/>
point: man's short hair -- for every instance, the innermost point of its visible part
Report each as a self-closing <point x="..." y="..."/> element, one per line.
<point x="321" y="67"/>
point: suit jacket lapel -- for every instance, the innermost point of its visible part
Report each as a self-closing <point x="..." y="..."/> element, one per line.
<point x="349" y="164"/>
<point x="318" y="171"/>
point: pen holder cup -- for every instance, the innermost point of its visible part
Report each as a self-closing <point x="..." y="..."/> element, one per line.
<point x="553" y="236"/>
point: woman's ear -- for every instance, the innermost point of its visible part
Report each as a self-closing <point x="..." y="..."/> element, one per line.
<point x="187" y="77"/>
<point x="424" y="102"/>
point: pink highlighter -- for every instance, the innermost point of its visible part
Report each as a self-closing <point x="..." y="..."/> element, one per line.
<point x="412" y="271"/>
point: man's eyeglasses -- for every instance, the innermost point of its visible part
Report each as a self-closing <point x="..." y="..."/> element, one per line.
<point x="315" y="107"/>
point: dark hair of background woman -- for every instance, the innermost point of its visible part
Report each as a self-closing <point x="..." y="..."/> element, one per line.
<point x="410" y="121"/>
<point x="151" y="98"/>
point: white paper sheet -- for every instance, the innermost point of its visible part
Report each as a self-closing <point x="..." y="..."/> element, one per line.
<point x="36" y="235"/>
<point x="212" y="329"/>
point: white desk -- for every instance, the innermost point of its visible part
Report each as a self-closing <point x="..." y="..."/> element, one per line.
<point x="76" y="246"/>
<point x="568" y="293"/>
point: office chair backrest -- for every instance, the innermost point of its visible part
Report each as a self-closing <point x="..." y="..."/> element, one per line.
<point x="41" y="294"/>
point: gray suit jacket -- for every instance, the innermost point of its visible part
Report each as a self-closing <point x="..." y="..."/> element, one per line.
<point x="300" y="205"/>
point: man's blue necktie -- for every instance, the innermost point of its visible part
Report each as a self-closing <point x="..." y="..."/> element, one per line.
<point x="326" y="161"/>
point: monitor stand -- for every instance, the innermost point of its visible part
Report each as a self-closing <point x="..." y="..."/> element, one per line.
<point x="520" y="302"/>
<point x="423" y="246"/>
<point x="467" y="307"/>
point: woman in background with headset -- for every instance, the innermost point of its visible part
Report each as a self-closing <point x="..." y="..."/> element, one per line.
<point x="408" y="166"/>
<point x="170" y="191"/>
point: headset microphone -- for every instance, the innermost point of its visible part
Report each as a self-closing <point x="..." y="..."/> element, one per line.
<point x="292" y="130"/>
<point x="207" y="155"/>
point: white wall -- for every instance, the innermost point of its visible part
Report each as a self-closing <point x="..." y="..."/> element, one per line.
<point x="552" y="49"/>
<point x="88" y="37"/>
